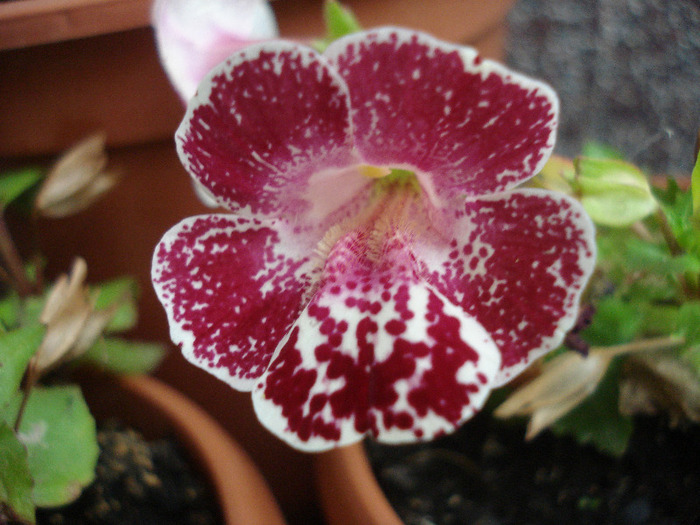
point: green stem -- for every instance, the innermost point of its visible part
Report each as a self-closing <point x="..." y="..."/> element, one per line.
<point x="670" y="239"/>
<point x="641" y="231"/>
<point x="31" y="381"/>
<point x="10" y="254"/>
<point x="691" y="282"/>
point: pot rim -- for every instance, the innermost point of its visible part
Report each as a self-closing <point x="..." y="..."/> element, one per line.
<point x="242" y="492"/>
<point x="349" y="491"/>
<point x="25" y="23"/>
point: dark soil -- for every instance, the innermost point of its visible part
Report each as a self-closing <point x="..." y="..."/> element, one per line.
<point x="139" y="482"/>
<point x="486" y="474"/>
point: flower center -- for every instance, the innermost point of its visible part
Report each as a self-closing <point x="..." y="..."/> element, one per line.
<point x="390" y="179"/>
<point x="394" y="207"/>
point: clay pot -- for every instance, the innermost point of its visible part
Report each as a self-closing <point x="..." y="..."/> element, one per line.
<point x="474" y="22"/>
<point x="70" y="67"/>
<point x="157" y="410"/>
<point x="348" y="490"/>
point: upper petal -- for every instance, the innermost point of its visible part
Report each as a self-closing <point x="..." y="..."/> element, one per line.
<point x="376" y="351"/>
<point x="467" y="125"/>
<point x="231" y="287"/>
<point x="266" y="132"/>
<point x="518" y="263"/>
<point x="193" y="37"/>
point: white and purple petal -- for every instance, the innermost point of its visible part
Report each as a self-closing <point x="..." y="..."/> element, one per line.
<point x="266" y="128"/>
<point x="232" y="287"/>
<point x="517" y="262"/>
<point x="376" y="352"/>
<point x="467" y="126"/>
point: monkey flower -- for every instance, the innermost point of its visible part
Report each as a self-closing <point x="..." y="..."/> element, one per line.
<point x="377" y="273"/>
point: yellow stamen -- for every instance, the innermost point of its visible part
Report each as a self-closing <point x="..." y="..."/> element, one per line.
<point x="374" y="172"/>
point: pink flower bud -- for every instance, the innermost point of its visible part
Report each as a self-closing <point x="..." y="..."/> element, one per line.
<point x="193" y="37"/>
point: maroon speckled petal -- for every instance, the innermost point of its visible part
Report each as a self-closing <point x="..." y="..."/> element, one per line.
<point x="231" y="287"/>
<point x="377" y="352"/>
<point x="517" y="262"/>
<point x="269" y="130"/>
<point x="466" y="125"/>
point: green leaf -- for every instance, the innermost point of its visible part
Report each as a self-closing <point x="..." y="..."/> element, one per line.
<point x="677" y="206"/>
<point x="124" y="291"/>
<point x="10" y="306"/>
<point x="16" y="349"/>
<point x="655" y="258"/>
<point x="613" y="192"/>
<point x="642" y="270"/>
<point x="688" y="326"/>
<point x="125" y="357"/>
<point x="340" y="21"/>
<point x="597" y="150"/>
<point x="61" y="440"/>
<point x="15" y="478"/>
<point x="615" y="322"/>
<point x="692" y="356"/>
<point x="15" y="183"/>
<point x="695" y="188"/>
<point x="597" y="421"/>
<point x="669" y="193"/>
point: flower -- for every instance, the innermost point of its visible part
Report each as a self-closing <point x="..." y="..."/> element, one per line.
<point x="78" y="179"/>
<point x="564" y="382"/>
<point x="377" y="273"/>
<point x="72" y="323"/>
<point x="568" y="379"/>
<point x="193" y="37"/>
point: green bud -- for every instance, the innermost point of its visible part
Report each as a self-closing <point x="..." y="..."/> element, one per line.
<point x="613" y="192"/>
<point x="556" y="175"/>
<point x="340" y="21"/>
<point x="598" y="150"/>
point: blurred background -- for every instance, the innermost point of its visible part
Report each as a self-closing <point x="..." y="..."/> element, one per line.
<point x="627" y="73"/>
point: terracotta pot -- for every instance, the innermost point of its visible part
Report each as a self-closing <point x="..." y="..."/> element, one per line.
<point x="157" y="410"/>
<point x="31" y="22"/>
<point x="349" y="492"/>
<point x="474" y="22"/>
<point x="70" y="67"/>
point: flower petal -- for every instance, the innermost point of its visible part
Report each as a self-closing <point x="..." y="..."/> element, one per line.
<point x="231" y="287"/>
<point x="376" y="351"/>
<point x="193" y="37"/>
<point x="269" y="130"/>
<point x="466" y="125"/>
<point x="518" y="263"/>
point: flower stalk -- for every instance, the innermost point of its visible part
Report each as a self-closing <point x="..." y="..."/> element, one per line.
<point x="13" y="262"/>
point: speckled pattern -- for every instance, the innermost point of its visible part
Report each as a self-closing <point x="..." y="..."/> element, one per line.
<point x="470" y="125"/>
<point x="627" y="73"/>
<point x="370" y="277"/>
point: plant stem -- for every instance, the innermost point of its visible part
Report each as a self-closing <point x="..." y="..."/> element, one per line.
<point x="644" y="345"/>
<point x="30" y="382"/>
<point x="670" y="239"/>
<point x="641" y="231"/>
<point x="10" y="254"/>
<point x="22" y="407"/>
